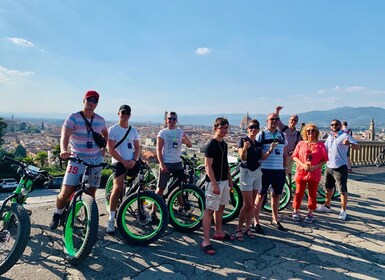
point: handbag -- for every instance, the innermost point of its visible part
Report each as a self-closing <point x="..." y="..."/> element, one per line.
<point x="98" y="138"/>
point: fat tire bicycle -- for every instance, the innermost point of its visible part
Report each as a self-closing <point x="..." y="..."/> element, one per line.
<point x="133" y="219"/>
<point x="15" y="224"/>
<point x="380" y="159"/>
<point x="185" y="201"/>
<point x="80" y="219"/>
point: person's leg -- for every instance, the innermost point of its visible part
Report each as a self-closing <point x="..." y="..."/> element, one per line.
<point x="247" y="209"/>
<point x="329" y="186"/>
<point x="63" y="197"/>
<point x="312" y="187"/>
<point x="257" y="208"/>
<point x="206" y="224"/>
<point x="162" y="183"/>
<point x="274" y="205"/>
<point x="299" y="192"/>
<point x="116" y="191"/>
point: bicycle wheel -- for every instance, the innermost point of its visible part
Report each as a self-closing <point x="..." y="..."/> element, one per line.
<point x="14" y="235"/>
<point x="108" y="191"/>
<point x="187" y="217"/>
<point x="137" y="227"/>
<point x="235" y="204"/>
<point x="284" y="200"/>
<point x="80" y="229"/>
<point x="380" y="159"/>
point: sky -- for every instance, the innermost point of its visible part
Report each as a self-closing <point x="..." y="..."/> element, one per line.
<point x="192" y="57"/>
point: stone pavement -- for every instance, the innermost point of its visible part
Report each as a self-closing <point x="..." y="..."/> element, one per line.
<point x="328" y="248"/>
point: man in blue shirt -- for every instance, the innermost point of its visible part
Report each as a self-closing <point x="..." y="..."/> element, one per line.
<point x="337" y="145"/>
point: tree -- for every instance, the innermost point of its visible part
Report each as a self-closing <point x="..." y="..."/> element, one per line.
<point x="20" y="151"/>
<point x="42" y="158"/>
<point x="3" y="126"/>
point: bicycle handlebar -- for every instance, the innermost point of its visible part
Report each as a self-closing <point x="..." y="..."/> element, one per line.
<point x="14" y="161"/>
<point x="79" y="160"/>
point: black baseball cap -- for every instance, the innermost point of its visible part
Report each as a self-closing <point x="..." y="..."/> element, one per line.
<point x="125" y="108"/>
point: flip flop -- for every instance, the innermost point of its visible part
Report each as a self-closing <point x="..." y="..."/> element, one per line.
<point x="227" y="237"/>
<point x="208" y="249"/>
<point x="238" y="236"/>
<point x="250" y="234"/>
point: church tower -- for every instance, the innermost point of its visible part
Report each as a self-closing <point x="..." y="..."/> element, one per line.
<point x="372" y="132"/>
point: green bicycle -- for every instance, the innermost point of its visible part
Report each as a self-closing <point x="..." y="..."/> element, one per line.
<point x="15" y="224"/>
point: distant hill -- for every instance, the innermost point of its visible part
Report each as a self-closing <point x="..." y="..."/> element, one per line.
<point x="357" y="118"/>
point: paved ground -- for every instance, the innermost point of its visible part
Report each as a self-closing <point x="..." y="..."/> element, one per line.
<point x="328" y="248"/>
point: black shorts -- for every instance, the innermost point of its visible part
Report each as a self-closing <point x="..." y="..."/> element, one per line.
<point x="275" y="178"/>
<point x="120" y="170"/>
<point x="337" y="177"/>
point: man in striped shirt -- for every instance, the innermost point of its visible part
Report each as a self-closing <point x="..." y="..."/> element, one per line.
<point x="78" y="135"/>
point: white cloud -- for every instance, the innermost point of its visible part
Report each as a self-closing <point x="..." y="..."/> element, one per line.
<point x="8" y="76"/>
<point x="19" y="41"/>
<point x="342" y="89"/>
<point x="203" y="51"/>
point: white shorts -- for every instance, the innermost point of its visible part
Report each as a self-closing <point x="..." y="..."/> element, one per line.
<point x="250" y="180"/>
<point x="75" y="170"/>
<point x="213" y="201"/>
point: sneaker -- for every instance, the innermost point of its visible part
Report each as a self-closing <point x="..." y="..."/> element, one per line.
<point x="258" y="229"/>
<point x="110" y="226"/>
<point x="342" y="215"/>
<point x="324" y="208"/>
<point x="309" y="219"/>
<point x="296" y="216"/>
<point x="55" y="221"/>
<point x="4" y="236"/>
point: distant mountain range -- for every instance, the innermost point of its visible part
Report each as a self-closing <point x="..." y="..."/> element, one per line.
<point x="357" y="118"/>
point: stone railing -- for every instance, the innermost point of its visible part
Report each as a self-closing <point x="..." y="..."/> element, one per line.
<point x="367" y="154"/>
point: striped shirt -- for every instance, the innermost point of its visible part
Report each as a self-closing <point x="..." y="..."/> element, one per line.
<point x="275" y="159"/>
<point x="80" y="135"/>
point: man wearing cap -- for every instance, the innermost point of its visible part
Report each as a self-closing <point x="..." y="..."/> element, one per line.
<point x="77" y="134"/>
<point x="124" y="147"/>
<point x="168" y="149"/>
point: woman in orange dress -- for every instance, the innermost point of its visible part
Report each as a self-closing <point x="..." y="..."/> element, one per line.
<point x="309" y="155"/>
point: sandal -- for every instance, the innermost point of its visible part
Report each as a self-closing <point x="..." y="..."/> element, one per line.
<point x="250" y="234"/>
<point x="208" y="249"/>
<point x="239" y="235"/>
<point x="226" y="237"/>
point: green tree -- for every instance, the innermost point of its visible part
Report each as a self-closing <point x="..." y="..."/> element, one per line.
<point x="3" y="126"/>
<point x="42" y="158"/>
<point x="28" y="160"/>
<point x="20" y="151"/>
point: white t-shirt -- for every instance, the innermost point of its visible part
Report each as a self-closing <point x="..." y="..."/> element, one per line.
<point x="172" y="144"/>
<point x="127" y="148"/>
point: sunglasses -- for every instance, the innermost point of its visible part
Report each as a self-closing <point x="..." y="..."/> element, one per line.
<point x="334" y="124"/>
<point x="125" y="113"/>
<point x="253" y="127"/>
<point x="310" y="130"/>
<point x="172" y="119"/>
<point x="223" y="127"/>
<point x="294" y="120"/>
<point x="274" y="119"/>
<point x="92" y="100"/>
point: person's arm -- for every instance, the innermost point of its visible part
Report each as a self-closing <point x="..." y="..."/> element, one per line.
<point x="243" y="146"/>
<point x="137" y="150"/>
<point x="111" y="149"/>
<point x="186" y="140"/>
<point x="159" y="148"/>
<point x="104" y="132"/>
<point x="211" y="175"/>
<point x="265" y="155"/>
<point x="64" y="141"/>
<point x="280" y="124"/>
<point x="349" y="141"/>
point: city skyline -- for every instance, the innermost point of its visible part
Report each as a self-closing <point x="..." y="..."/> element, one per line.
<point x="191" y="57"/>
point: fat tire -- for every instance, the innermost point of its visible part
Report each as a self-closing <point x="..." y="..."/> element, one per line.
<point x="173" y="201"/>
<point x="125" y="209"/>
<point x="22" y="236"/>
<point x="108" y="191"/>
<point x="76" y="256"/>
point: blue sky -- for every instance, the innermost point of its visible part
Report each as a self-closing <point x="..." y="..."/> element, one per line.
<point x="193" y="57"/>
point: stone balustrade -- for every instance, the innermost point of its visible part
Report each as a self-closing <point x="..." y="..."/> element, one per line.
<point x="367" y="154"/>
